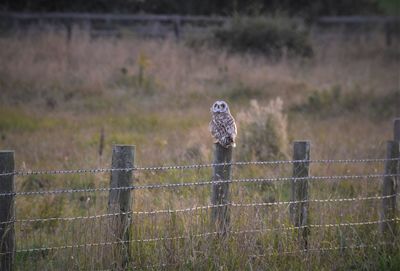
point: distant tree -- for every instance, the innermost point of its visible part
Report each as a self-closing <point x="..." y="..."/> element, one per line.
<point x="305" y="8"/>
<point x="390" y="7"/>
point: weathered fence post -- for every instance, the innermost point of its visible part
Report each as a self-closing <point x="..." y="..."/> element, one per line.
<point x="388" y="228"/>
<point x="7" y="215"/>
<point x="299" y="190"/>
<point x="396" y="130"/>
<point x="101" y="142"/>
<point x="177" y="27"/>
<point x="68" y="27"/>
<point x="220" y="191"/>
<point x="396" y="137"/>
<point x="120" y="199"/>
<point x="388" y="26"/>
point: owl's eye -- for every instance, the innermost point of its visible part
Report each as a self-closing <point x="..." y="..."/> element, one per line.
<point x="223" y="105"/>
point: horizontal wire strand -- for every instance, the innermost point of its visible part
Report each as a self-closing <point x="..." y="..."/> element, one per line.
<point x="199" y="183"/>
<point x="195" y="166"/>
<point x="168" y="238"/>
<point x="198" y="208"/>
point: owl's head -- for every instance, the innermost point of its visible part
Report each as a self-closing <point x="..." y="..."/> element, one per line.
<point x="220" y="107"/>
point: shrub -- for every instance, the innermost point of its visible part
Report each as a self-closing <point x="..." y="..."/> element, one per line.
<point x="262" y="131"/>
<point x="322" y="100"/>
<point x="270" y="36"/>
<point x="242" y="92"/>
<point x="334" y="101"/>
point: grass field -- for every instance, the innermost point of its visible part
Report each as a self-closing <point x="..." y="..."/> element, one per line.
<point x="57" y="97"/>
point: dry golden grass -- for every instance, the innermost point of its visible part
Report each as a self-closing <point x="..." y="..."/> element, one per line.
<point x="155" y="94"/>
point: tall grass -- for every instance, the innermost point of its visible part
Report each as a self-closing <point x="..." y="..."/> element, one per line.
<point x="56" y="97"/>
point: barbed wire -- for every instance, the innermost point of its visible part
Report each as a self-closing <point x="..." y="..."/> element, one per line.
<point x="206" y="207"/>
<point x="199" y="183"/>
<point x="194" y="166"/>
<point x="205" y="234"/>
<point x="199" y="208"/>
<point x="252" y="231"/>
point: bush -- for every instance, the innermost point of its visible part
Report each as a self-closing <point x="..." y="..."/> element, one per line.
<point x="263" y="132"/>
<point x="269" y="36"/>
<point x="334" y="101"/>
<point x="243" y="92"/>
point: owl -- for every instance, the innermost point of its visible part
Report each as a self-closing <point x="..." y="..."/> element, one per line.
<point x="222" y="125"/>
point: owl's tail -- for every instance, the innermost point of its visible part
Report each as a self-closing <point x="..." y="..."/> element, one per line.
<point x="227" y="142"/>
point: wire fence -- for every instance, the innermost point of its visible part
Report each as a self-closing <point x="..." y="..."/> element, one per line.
<point x="206" y="234"/>
<point x="195" y="166"/>
<point x="199" y="208"/>
<point x="175" y="212"/>
<point x="200" y="183"/>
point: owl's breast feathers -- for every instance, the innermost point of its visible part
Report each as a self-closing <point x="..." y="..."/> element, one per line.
<point x="223" y="129"/>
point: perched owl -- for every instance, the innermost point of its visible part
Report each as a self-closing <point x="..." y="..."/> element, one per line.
<point x="222" y="125"/>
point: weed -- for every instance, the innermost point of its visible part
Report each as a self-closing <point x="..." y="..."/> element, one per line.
<point x="263" y="132"/>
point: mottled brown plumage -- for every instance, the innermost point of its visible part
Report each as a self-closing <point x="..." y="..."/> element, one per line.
<point x="222" y="125"/>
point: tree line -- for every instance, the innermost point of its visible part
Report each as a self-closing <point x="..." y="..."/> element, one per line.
<point x="303" y="8"/>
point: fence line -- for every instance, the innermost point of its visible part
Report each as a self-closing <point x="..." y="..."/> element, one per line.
<point x="357" y="19"/>
<point x="122" y="230"/>
<point x="199" y="183"/>
<point x="108" y="17"/>
<point x="198" y="208"/>
<point x="195" y="166"/>
<point x="206" y="234"/>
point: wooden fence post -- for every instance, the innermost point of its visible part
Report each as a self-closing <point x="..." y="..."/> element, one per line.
<point x="396" y="130"/>
<point x="120" y="200"/>
<point x="396" y="137"/>
<point x="299" y="190"/>
<point x="220" y="191"/>
<point x="7" y="237"/>
<point x="388" y="33"/>
<point x="388" y="228"/>
<point x="68" y="27"/>
<point x="177" y="27"/>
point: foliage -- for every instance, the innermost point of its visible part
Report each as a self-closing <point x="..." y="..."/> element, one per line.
<point x="243" y="92"/>
<point x="269" y="36"/>
<point x="333" y="101"/>
<point x="15" y="120"/>
<point x="308" y="8"/>
<point x="391" y="7"/>
<point x="263" y="132"/>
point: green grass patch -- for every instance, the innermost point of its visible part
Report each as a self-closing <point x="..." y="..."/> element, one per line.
<point x="242" y="92"/>
<point x="334" y="101"/>
<point x="18" y="120"/>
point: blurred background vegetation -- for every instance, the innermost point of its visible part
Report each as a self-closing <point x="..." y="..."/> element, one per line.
<point x="305" y="8"/>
